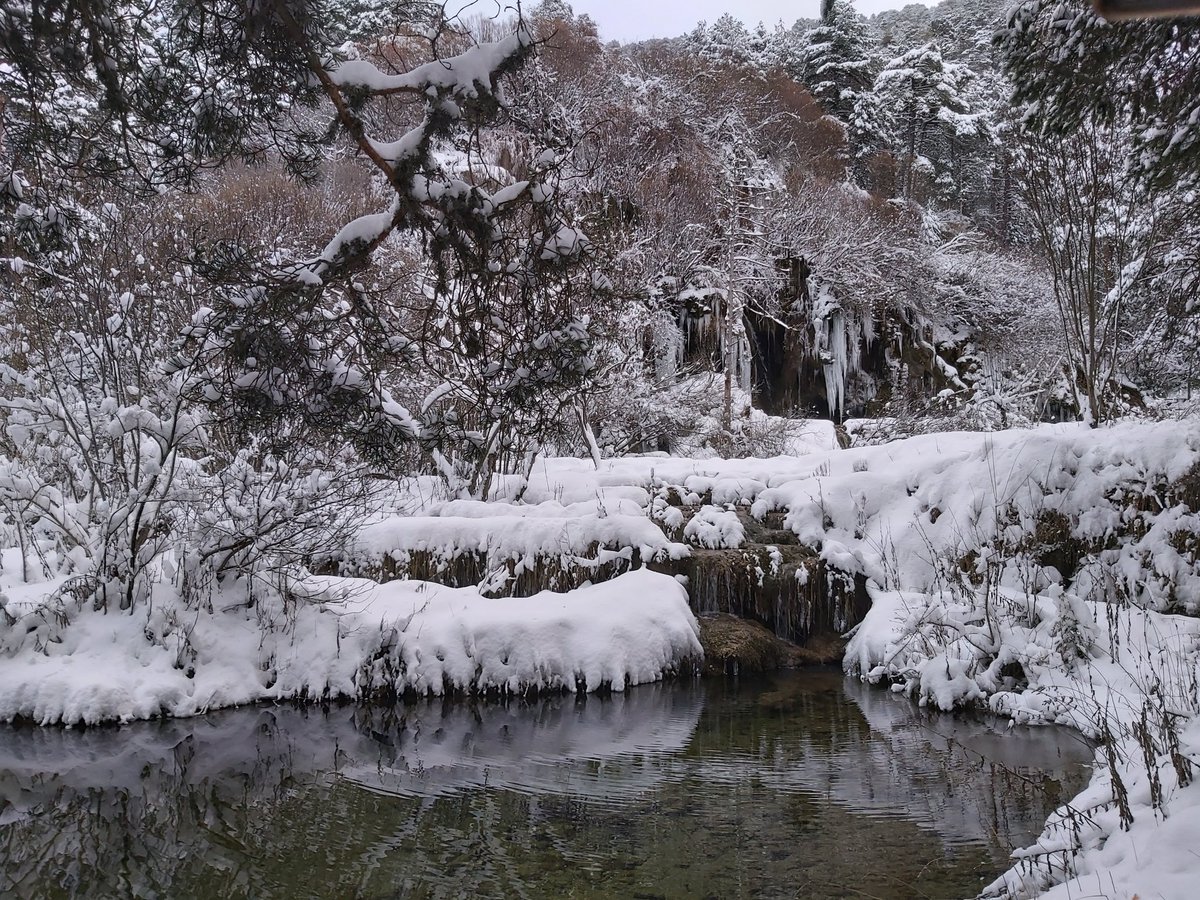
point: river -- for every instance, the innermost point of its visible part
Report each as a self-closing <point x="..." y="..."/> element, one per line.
<point x="804" y="784"/>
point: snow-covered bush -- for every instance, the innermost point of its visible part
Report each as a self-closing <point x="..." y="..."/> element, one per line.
<point x="110" y="471"/>
<point x="96" y="438"/>
<point x="715" y="528"/>
<point x="506" y="368"/>
<point x="266" y="515"/>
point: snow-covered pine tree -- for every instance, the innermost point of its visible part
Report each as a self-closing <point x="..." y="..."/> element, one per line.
<point x="834" y="61"/>
<point x="1069" y="67"/>
<point x="303" y="338"/>
<point x="728" y="42"/>
<point x="930" y="119"/>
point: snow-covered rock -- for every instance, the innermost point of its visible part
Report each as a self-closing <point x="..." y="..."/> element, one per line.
<point x="715" y="528"/>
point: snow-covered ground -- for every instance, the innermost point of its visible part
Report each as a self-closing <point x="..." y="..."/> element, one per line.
<point x="347" y="638"/>
<point x="893" y="512"/>
<point x="961" y="536"/>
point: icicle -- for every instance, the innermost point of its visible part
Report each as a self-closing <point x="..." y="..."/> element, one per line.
<point x="854" y="346"/>
<point x="867" y="323"/>
<point x="744" y="363"/>
<point x="835" y="369"/>
<point x="669" y="349"/>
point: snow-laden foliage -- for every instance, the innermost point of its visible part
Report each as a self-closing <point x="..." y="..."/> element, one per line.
<point x="1138" y="72"/>
<point x="304" y="338"/>
<point x="147" y="93"/>
<point x="815" y="296"/>
<point x="941" y="161"/>
<point x="178" y="386"/>
<point x="108" y="464"/>
<point x="507" y="368"/>
<point x="930" y="118"/>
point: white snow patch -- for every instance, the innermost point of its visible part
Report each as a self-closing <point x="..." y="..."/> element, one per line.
<point x="404" y="635"/>
<point x="715" y="528"/>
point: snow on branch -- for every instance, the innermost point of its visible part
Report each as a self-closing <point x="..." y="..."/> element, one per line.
<point x="461" y="76"/>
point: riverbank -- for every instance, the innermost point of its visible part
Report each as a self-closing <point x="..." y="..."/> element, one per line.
<point x="1040" y="573"/>
<point x="1124" y="677"/>
<point x="334" y="638"/>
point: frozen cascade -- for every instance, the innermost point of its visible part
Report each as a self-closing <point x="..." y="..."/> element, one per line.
<point x="836" y="369"/>
<point x="670" y="345"/>
<point x="854" y="346"/>
<point x="796" y="596"/>
<point x="696" y="329"/>
<point x="743" y="360"/>
<point x="839" y="353"/>
<point x="867" y="326"/>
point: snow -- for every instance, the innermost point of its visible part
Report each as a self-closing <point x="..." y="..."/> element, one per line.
<point x="715" y="528"/>
<point x="364" y="229"/>
<point x="900" y="501"/>
<point x="1156" y="857"/>
<point x="509" y="194"/>
<point x="405" y="147"/>
<point x="964" y="613"/>
<point x="566" y="242"/>
<point x="460" y="75"/>
<point x="1134" y="657"/>
<point x="892" y="513"/>
<point x="548" y="530"/>
<point x="351" y="637"/>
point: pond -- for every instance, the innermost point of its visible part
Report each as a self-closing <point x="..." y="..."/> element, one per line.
<point x="805" y="784"/>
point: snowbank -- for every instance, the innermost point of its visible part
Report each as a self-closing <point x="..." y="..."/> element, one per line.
<point x="1125" y="677"/>
<point x="890" y="511"/>
<point x="507" y="536"/>
<point x="1100" y="510"/>
<point x="352" y="638"/>
<point x="1028" y="572"/>
<point x="508" y="548"/>
<point x="1155" y="857"/>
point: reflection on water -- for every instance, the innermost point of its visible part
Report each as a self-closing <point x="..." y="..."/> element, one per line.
<point x="802" y="785"/>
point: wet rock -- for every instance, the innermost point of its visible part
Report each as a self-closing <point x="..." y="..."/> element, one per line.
<point x="733" y="646"/>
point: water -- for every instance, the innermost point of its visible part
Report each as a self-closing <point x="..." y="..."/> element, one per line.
<point x="801" y="785"/>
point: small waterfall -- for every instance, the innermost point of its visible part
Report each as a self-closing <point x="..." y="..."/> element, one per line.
<point x="794" y="593"/>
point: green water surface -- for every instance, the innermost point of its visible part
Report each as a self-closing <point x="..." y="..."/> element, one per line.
<point x="804" y="785"/>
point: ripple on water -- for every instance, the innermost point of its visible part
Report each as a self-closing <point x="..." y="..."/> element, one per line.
<point x="805" y="784"/>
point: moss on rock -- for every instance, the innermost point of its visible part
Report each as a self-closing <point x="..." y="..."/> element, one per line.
<point x="733" y="646"/>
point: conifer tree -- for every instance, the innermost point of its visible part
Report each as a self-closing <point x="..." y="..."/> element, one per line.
<point x="1070" y="67"/>
<point x="929" y="118"/>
